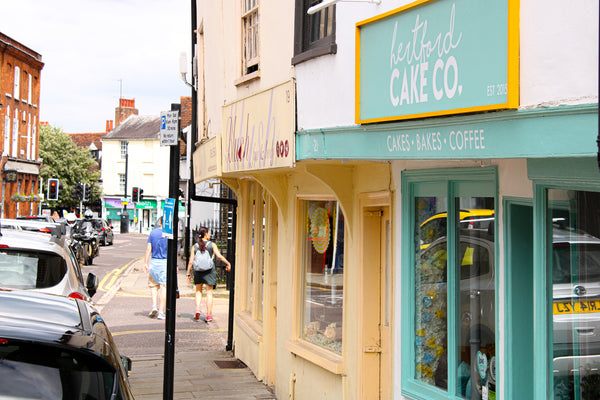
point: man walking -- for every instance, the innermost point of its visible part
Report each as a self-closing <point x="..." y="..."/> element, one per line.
<point x="156" y="266"/>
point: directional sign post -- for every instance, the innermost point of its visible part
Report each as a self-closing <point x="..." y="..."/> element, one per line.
<point x="169" y="125"/>
<point x="169" y="136"/>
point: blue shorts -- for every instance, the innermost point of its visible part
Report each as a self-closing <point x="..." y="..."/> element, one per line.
<point x="158" y="270"/>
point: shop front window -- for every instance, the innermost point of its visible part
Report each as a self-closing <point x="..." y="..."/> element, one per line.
<point x="575" y="270"/>
<point x="323" y="274"/>
<point x="453" y="331"/>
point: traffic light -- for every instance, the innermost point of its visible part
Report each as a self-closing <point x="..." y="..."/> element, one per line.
<point x="87" y="192"/>
<point x="135" y="194"/>
<point x="140" y="194"/>
<point x="53" y="189"/>
<point x="77" y="192"/>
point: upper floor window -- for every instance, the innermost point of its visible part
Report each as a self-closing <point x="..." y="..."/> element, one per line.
<point x="124" y="144"/>
<point x="250" y="36"/>
<point x="7" y="130"/>
<point x="314" y="35"/>
<point x="17" y="83"/>
<point x="122" y="179"/>
<point x="29" y="89"/>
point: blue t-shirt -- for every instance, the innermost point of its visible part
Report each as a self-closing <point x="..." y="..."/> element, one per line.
<point x="159" y="244"/>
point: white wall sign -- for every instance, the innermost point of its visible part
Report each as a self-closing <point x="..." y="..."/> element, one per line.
<point x="169" y="123"/>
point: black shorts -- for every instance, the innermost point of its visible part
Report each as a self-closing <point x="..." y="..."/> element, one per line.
<point x="208" y="277"/>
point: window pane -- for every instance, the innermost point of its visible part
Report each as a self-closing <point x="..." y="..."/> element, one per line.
<point x="575" y="263"/>
<point x="431" y="329"/>
<point x="323" y="259"/>
<point x="477" y="317"/>
<point x="27" y="270"/>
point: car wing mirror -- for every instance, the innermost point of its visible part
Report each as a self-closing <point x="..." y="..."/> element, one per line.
<point x="127" y="364"/>
<point x="91" y="283"/>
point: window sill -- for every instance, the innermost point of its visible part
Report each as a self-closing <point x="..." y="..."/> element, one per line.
<point x="330" y="48"/>
<point x="317" y="355"/>
<point x="252" y="328"/>
<point x="247" y="78"/>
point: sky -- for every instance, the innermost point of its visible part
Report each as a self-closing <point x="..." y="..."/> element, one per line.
<point x="96" y="51"/>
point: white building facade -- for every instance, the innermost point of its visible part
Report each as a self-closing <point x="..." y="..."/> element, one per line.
<point x="131" y="152"/>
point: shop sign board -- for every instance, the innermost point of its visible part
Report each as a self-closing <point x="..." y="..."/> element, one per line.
<point x="258" y="131"/>
<point x="437" y="57"/>
<point x="149" y="204"/>
<point x="207" y="160"/>
<point x="117" y="203"/>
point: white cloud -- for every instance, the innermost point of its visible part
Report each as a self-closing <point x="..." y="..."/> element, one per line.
<point x="91" y="47"/>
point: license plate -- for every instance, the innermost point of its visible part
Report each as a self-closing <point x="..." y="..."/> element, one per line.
<point x="576" y="306"/>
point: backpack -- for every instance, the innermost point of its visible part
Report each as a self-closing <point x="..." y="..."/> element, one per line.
<point x="203" y="261"/>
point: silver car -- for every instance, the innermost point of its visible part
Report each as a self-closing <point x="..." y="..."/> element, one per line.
<point x="42" y="262"/>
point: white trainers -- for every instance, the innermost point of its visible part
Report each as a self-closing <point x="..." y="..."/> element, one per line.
<point x="161" y="315"/>
<point x="153" y="313"/>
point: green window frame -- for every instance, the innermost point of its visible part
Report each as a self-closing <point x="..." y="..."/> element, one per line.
<point x="576" y="174"/>
<point x="452" y="186"/>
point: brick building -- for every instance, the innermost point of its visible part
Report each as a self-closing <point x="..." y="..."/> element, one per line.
<point x="20" y="69"/>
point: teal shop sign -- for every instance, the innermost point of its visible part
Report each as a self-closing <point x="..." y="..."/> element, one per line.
<point x="565" y="131"/>
<point x="437" y="58"/>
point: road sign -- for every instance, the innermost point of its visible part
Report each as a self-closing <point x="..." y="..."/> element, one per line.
<point x="169" y="125"/>
<point x="169" y="209"/>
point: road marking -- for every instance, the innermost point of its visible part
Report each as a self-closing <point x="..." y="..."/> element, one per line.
<point x="162" y="331"/>
<point x="113" y="275"/>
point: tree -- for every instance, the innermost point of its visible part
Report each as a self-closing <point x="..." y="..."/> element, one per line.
<point x="71" y="164"/>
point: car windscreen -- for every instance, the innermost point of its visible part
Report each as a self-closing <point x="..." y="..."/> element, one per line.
<point x="22" y="269"/>
<point x="39" y="371"/>
<point x="575" y="262"/>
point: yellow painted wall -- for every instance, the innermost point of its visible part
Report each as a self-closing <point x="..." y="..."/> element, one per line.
<point x="296" y="375"/>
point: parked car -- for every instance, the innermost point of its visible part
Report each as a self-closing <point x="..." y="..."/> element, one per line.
<point x="104" y="231"/>
<point x="576" y="305"/>
<point x="44" y="218"/>
<point x="53" y="347"/>
<point x="42" y="262"/>
<point x="473" y="219"/>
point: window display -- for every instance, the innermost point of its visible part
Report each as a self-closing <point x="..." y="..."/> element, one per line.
<point x="323" y="274"/>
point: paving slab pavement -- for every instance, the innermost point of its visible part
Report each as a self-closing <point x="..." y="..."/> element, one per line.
<point x="197" y="374"/>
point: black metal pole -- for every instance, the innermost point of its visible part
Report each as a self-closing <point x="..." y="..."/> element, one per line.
<point x="231" y="277"/>
<point x="124" y="214"/>
<point x="191" y="145"/>
<point x="169" y="366"/>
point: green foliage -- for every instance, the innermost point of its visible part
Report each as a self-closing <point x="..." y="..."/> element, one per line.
<point x="64" y="160"/>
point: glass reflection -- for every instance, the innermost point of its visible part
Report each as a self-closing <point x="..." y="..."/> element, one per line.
<point x="575" y="263"/>
<point x="471" y="268"/>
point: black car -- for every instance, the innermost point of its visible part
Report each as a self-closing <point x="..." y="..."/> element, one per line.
<point x="54" y="347"/>
<point x="104" y="231"/>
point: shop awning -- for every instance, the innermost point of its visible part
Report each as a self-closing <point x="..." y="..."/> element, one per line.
<point x="22" y="167"/>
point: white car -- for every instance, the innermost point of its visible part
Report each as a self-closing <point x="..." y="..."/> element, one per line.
<point x="42" y="262"/>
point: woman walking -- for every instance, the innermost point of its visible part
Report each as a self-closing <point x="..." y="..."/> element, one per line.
<point x="209" y="277"/>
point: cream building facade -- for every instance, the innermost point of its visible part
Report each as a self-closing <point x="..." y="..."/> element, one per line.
<point x="415" y="184"/>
